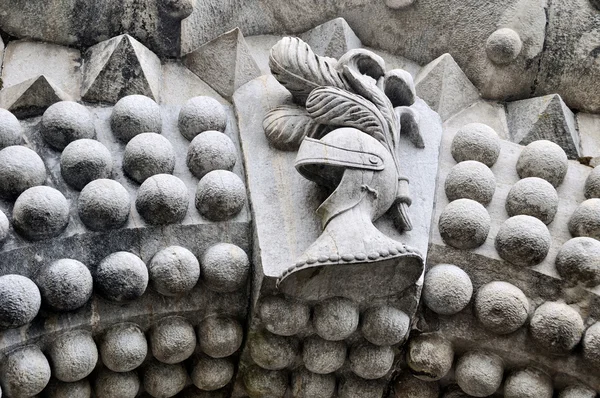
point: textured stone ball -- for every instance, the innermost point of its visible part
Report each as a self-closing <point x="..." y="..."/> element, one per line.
<point x="10" y="129"/>
<point x="528" y="383"/>
<point x="172" y="340"/>
<point x="122" y="276"/>
<point x="164" y="380"/>
<point x="20" y="301"/>
<point x="162" y="199"/>
<point x="41" y="213"/>
<point x="353" y="387"/>
<point x="534" y="197"/>
<point x="272" y="352"/>
<point x="220" y="337"/>
<point x="104" y="205"/>
<point x="447" y="289"/>
<point x="543" y="159"/>
<point x="261" y="383"/>
<point x="578" y="261"/>
<point x="73" y="356"/>
<point x="83" y="161"/>
<point x="523" y="241"/>
<point x="133" y="115"/>
<point x="225" y="267"/>
<point x="385" y="325"/>
<point x="323" y="356"/>
<point x="429" y="356"/>
<point x="112" y="384"/>
<point x="479" y="373"/>
<point x="336" y="318"/>
<point x="123" y="348"/>
<point x="210" y="374"/>
<point x="65" y="122"/>
<point x="201" y="114"/>
<point x="285" y="317"/>
<point x="476" y="141"/>
<point x="408" y="386"/>
<point x="591" y="188"/>
<point x="591" y="345"/>
<point x="471" y="180"/>
<point x="210" y="151"/>
<point x="148" y="154"/>
<point x="306" y="384"/>
<point x="585" y="220"/>
<point x="501" y="307"/>
<point x="60" y="389"/>
<point x="464" y="224"/>
<point x="577" y="391"/>
<point x="174" y="270"/>
<point x="20" y="169"/>
<point x="220" y="195"/>
<point x="370" y="361"/>
<point x="65" y="284"/>
<point x="4" y="227"/>
<point x="25" y="372"/>
<point x="503" y="46"/>
<point x="556" y="327"/>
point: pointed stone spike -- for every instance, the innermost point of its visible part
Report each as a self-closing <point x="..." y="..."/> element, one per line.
<point x="445" y="87"/>
<point x="225" y="63"/>
<point x="544" y="118"/>
<point x="332" y="39"/>
<point x="118" y="67"/>
<point x="31" y="97"/>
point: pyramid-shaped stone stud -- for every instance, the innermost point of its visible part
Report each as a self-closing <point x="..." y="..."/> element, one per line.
<point x="544" y="118"/>
<point x="119" y="67"/>
<point x="31" y="97"/>
<point x="444" y="86"/>
<point x="332" y="39"/>
<point x="224" y="63"/>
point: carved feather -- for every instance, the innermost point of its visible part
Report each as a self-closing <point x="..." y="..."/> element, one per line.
<point x="287" y="125"/>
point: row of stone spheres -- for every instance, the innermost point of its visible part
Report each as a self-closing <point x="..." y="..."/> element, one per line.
<point x="384" y="199"/>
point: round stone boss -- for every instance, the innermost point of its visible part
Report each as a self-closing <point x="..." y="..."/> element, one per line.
<point x="162" y="199"/>
<point x="123" y="347"/>
<point x="103" y="205"/>
<point x="447" y="289"/>
<point x="20" y="169"/>
<point x="122" y="276"/>
<point x="543" y="159"/>
<point x="20" y="301"/>
<point x="65" y="122"/>
<point x="10" y="129"/>
<point x="83" y="161"/>
<point x="464" y="224"/>
<point x="476" y="141"/>
<point x="41" y="213"/>
<point x="534" y="197"/>
<point x="172" y="340"/>
<point x="225" y="267"/>
<point x="65" y="284"/>
<point x="201" y="114"/>
<point x="133" y="115"/>
<point x="174" y="270"/>
<point x="471" y="180"/>
<point x="210" y="150"/>
<point x="220" y="195"/>
<point x="148" y="154"/>
<point x="25" y="372"/>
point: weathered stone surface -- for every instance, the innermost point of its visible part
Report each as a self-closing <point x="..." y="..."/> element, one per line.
<point x="31" y="97"/>
<point x="589" y="137"/>
<point x="332" y="39"/>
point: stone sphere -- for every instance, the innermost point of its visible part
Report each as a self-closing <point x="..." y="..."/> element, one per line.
<point x="162" y="199"/>
<point x="65" y="122"/>
<point x="173" y="340"/>
<point x="148" y="154"/>
<point x="60" y="389"/>
<point x="471" y="180"/>
<point x="323" y="356"/>
<point x="591" y="188"/>
<point x="20" y="301"/>
<point x="528" y="383"/>
<point x="225" y="267"/>
<point x="4" y="227"/>
<point x="503" y="46"/>
<point x="429" y="356"/>
<point x="164" y="380"/>
<point x="408" y="386"/>
<point x="591" y="345"/>
<point x="104" y="205"/>
<point x="73" y="356"/>
<point x="577" y="391"/>
<point x="41" y="213"/>
<point x="306" y="384"/>
<point x="10" y="129"/>
<point x="523" y="241"/>
<point x="585" y="220"/>
<point x="220" y="195"/>
<point x="285" y="317"/>
<point x="174" y="270"/>
<point x="447" y="289"/>
<point x="479" y="373"/>
<point x="385" y="325"/>
<point x="353" y="387"/>
<point x="201" y="114"/>
<point x="220" y="337"/>
<point x="133" y="115"/>
<point x="336" y="318"/>
<point x="210" y="151"/>
<point x="123" y="348"/>
<point x="464" y="224"/>
<point x="20" y="169"/>
<point x="578" y="261"/>
<point x="65" y="284"/>
<point x="534" y="197"/>
<point x="112" y="384"/>
<point x="272" y="352"/>
<point x="501" y="307"/>
<point x="476" y="141"/>
<point x="370" y="361"/>
<point x="122" y="276"/>
<point x="543" y="159"/>
<point x="179" y="9"/>
<point x="25" y="372"/>
<point x="83" y="161"/>
<point x="210" y="374"/>
<point x="556" y="327"/>
<point x="261" y="383"/>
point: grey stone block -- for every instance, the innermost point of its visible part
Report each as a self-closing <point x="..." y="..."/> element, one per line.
<point x="589" y="135"/>
<point x="332" y="39"/>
